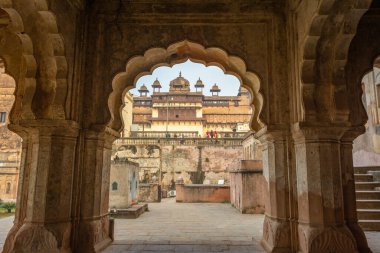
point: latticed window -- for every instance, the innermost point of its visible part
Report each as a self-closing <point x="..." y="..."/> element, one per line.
<point x="3" y="117"/>
<point x="114" y="186"/>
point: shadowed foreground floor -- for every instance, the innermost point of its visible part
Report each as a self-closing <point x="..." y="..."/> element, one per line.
<point x="185" y="227"/>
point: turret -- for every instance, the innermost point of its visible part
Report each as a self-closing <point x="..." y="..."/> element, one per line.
<point x="215" y="90"/>
<point x="143" y="91"/>
<point x="156" y="86"/>
<point x="199" y="85"/>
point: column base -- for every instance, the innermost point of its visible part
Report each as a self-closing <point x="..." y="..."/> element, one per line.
<point x="94" y="236"/>
<point x="39" y="238"/>
<point x="328" y="239"/>
<point x="8" y="245"/>
<point x="276" y="236"/>
<point x="361" y="240"/>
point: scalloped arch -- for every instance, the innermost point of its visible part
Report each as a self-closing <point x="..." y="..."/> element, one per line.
<point x="177" y="53"/>
<point x="16" y="48"/>
<point x="325" y="52"/>
<point x="43" y="46"/>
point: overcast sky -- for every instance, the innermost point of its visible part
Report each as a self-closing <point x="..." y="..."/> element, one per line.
<point x="228" y="84"/>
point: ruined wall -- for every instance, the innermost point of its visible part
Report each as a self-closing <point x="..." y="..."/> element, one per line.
<point x="149" y="193"/>
<point x="194" y="164"/>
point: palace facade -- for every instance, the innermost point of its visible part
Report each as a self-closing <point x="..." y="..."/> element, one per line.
<point x="181" y="111"/>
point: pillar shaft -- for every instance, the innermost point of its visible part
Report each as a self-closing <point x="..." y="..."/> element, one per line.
<point x="43" y="220"/>
<point x="320" y="194"/>
<point x="349" y="195"/>
<point x="92" y="230"/>
<point x="277" y="228"/>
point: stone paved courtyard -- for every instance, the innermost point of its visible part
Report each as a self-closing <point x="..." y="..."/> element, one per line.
<point x="182" y="227"/>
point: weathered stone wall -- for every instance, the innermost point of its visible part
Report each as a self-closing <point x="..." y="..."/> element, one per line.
<point x="247" y="187"/>
<point x="149" y="192"/>
<point x="124" y="184"/>
<point x="196" y="193"/>
<point x="206" y="164"/>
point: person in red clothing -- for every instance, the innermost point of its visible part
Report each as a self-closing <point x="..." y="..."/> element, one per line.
<point x="215" y="134"/>
<point x="208" y="134"/>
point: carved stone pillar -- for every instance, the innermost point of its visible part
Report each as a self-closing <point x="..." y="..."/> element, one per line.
<point x="277" y="228"/>
<point x="320" y="194"/>
<point x="43" y="220"/>
<point x="92" y="233"/>
<point x="348" y="183"/>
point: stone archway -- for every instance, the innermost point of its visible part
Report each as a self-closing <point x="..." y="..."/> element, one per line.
<point x="325" y="129"/>
<point x="177" y="53"/>
<point x="34" y="54"/>
<point x="325" y="51"/>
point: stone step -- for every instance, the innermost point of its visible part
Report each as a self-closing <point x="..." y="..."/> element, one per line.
<point x="368" y="204"/>
<point x="363" y="178"/>
<point x="369" y="214"/>
<point x="367" y="194"/>
<point x="364" y="170"/>
<point x="366" y="185"/>
<point x="370" y="225"/>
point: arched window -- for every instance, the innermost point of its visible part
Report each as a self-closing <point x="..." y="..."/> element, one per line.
<point x="114" y="186"/>
<point x="8" y="188"/>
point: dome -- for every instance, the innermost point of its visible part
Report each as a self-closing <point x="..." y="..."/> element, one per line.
<point x="179" y="81"/>
<point x="199" y="84"/>
<point x="156" y="84"/>
<point x="143" y="88"/>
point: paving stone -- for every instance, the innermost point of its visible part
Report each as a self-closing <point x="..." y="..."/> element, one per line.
<point x="183" y="227"/>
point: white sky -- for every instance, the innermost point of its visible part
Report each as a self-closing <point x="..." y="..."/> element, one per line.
<point x="228" y="84"/>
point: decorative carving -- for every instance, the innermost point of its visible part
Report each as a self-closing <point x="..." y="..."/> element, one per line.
<point x="315" y="240"/>
<point x="332" y="241"/>
<point x="325" y="52"/>
<point x="32" y="238"/>
<point x="276" y="234"/>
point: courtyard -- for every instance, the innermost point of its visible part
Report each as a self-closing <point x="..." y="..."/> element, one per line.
<point x="188" y="227"/>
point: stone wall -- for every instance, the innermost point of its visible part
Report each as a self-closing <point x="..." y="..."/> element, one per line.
<point x="196" y="193"/>
<point x="124" y="184"/>
<point x="149" y="193"/>
<point x="247" y="187"/>
<point x="193" y="164"/>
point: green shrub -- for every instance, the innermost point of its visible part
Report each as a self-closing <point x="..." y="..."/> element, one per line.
<point x="9" y="206"/>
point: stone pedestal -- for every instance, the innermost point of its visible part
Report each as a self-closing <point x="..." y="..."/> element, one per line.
<point x="247" y="186"/>
<point x="43" y="218"/>
<point x="321" y="215"/>
<point x="277" y="229"/>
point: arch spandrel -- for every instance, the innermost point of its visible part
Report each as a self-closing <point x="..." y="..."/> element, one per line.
<point x="177" y="53"/>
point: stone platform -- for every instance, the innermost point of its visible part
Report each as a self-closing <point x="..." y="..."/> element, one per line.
<point x="130" y="213"/>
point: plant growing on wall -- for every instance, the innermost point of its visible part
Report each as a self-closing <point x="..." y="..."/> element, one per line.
<point x="207" y="160"/>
